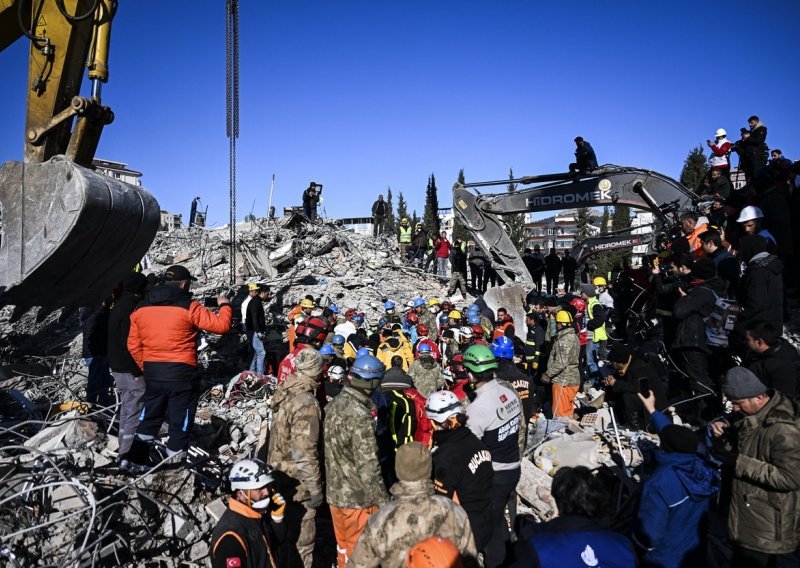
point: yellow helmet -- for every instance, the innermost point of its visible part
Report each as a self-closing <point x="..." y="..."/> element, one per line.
<point x="433" y="302"/>
<point x="404" y="220"/>
<point x="563" y="316"/>
<point x="455" y="314"/>
<point x="253" y="286"/>
<point x="599" y="281"/>
<point x="306" y="303"/>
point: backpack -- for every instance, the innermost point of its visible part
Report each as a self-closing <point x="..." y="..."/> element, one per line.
<point x="721" y="321"/>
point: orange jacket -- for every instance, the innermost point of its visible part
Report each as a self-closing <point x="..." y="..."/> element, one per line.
<point x="164" y="330"/>
<point x="694" y="240"/>
<point x="292" y="334"/>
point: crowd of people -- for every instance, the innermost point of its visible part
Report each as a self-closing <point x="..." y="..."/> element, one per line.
<point x="409" y="431"/>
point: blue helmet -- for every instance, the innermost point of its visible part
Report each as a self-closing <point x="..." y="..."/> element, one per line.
<point x="357" y="318"/>
<point x="368" y="367"/>
<point x="333" y="308"/>
<point x="473" y="319"/>
<point x="503" y="348"/>
<point x="419" y="302"/>
<point x="363" y="352"/>
<point x="389" y="305"/>
<point x="424" y="348"/>
<point x="326" y="350"/>
<point x="338" y="339"/>
<point x="473" y="309"/>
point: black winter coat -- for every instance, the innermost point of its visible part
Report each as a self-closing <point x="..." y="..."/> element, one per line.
<point x="254" y="319"/>
<point x="761" y="291"/>
<point x="777" y="367"/>
<point x="94" y="324"/>
<point x="552" y="264"/>
<point x="754" y="147"/>
<point x="458" y="259"/>
<point x="690" y="311"/>
<point x="727" y="269"/>
<point x="119" y="325"/>
<point x="508" y="371"/>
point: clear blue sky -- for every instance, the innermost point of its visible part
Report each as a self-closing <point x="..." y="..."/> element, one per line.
<point x="364" y="95"/>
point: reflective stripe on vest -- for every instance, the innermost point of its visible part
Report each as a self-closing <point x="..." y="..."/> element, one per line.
<point x="599" y="333"/>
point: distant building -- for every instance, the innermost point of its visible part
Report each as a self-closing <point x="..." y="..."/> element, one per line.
<point x="359" y="225"/>
<point x="737" y="179"/>
<point x="558" y="232"/>
<point x="641" y="222"/>
<point x="170" y="221"/>
<point x="117" y="170"/>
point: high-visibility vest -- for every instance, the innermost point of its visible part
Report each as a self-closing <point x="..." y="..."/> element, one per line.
<point x="599" y="333"/>
<point x="405" y="235"/>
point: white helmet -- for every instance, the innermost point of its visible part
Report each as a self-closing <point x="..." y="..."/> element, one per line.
<point x="749" y="213"/>
<point x="442" y="405"/>
<point x="720" y="132"/>
<point x="250" y="474"/>
<point x="465" y="331"/>
<point x="336" y="373"/>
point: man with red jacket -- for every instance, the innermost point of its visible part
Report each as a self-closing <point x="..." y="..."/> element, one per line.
<point x="442" y="247"/>
<point x="163" y="341"/>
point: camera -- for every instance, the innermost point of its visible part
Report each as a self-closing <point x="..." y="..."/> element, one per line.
<point x="211" y="302"/>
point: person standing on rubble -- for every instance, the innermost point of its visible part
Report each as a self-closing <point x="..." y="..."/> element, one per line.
<point x="256" y="325"/>
<point x="163" y="342"/>
<point x="294" y="441"/>
<point x="94" y="325"/>
<point x="404" y="238"/>
<point x="296" y="315"/>
<point x="311" y="198"/>
<point x="310" y="333"/>
<point x="127" y="374"/>
<point x="355" y="487"/>
<point x="442" y="246"/>
<point x="418" y="244"/>
<point x="242" y="538"/>
<point x="379" y="212"/>
<point x="563" y="366"/>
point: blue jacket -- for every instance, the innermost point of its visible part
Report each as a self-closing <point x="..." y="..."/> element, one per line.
<point x="674" y="502"/>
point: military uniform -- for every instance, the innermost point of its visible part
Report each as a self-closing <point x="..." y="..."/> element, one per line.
<point x="427" y="375"/>
<point x="414" y="515"/>
<point x="563" y="371"/>
<point x="354" y="484"/>
<point x="294" y="452"/>
<point x="428" y="318"/>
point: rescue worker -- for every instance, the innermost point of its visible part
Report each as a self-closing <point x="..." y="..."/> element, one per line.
<point x="692" y="229"/>
<point x="391" y="312"/>
<point x="163" y="342"/>
<point x="596" y="324"/>
<point x="335" y="382"/>
<point x="256" y="325"/>
<point x="337" y="343"/>
<point x="404" y="238"/>
<point x="294" y="440"/>
<point x="503" y="350"/>
<point x="494" y="417"/>
<point x="406" y="406"/>
<point x="563" y="366"/>
<point x="391" y="346"/>
<point x="414" y="514"/>
<point x="426" y="317"/>
<point x="242" y="538"/>
<point x="462" y="464"/>
<point x="310" y="333"/>
<point x="329" y="358"/>
<point x="355" y="487"/>
<point x="504" y="326"/>
<point x="424" y="343"/>
<point x="296" y="315"/>
<point x="418" y="244"/>
<point x="425" y="372"/>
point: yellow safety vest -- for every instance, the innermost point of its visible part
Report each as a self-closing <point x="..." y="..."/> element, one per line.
<point x="599" y="333"/>
<point x="405" y="235"/>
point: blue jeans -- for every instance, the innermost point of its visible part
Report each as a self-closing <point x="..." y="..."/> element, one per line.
<point x="441" y="266"/>
<point x="257" y="363"/>
<point x="592" y="353"/>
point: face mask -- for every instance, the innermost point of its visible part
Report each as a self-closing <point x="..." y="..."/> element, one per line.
<point x="261" y="505"/>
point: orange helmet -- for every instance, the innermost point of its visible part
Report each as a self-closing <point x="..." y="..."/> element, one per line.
<point x="434" y="552"/>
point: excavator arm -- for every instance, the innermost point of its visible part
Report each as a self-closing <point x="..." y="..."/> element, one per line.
<point x="67" y="234"/>
<point x="608" y="185"/>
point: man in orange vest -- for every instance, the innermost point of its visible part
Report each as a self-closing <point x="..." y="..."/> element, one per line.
<point x="692" y="229"/>
<point x="297" y="314"/>
<point x="504" y="326"/>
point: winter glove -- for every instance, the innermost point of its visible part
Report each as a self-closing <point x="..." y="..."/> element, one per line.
<point x="725" y="457"/>
<point x="279" y="507"/>
<point x="315" y="500"/>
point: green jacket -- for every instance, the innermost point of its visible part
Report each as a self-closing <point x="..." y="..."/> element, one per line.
<point x="765" y="494"/>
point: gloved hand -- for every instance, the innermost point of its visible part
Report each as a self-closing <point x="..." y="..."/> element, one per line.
<point x="725" y="457"/>
<point x="315" y="500"/>
<point x="278" y="507"/>
<point x="261" y="335"/>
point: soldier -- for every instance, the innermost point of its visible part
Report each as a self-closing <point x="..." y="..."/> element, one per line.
<point x="294" y="452"/>
<point x="414" y="514"/>
<point x="427" y="317"/>
<point x="355" y="486"/>
<point x="426" y="373"/>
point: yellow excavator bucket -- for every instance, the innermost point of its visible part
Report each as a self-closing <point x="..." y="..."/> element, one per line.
<point x="69" y="234"/>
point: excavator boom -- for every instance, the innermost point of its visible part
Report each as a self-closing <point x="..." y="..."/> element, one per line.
<point x="607" y="185"/>
<point x="67" y="234"/>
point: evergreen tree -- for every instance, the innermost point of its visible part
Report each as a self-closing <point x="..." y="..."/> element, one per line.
<point x="606" y="261"/>
<point x="694" y="169"/>
<point x="431" y="215"/>
<point x="402" y="207"/>
<point x="604" y="221"/>
<point x="459" y="230"/>
<point x="515" y="223"/>
<point x="584" y="219"/>
<point x="415" y="218"/>
<point x="390" y="223"/>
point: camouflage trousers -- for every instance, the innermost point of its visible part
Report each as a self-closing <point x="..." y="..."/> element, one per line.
<point x="298" y="547"/>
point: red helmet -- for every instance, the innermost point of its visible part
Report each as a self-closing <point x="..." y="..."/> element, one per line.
<point x="422" y="329"/>
<point x="457" y="366"/>
<point x="349" y="313"/>
<point x="447" y="305"/>
<point x="312" y="330"/>
<point x="578" y="304"/>
<point x="477" y="331"/>
<point x="412" y="319"/>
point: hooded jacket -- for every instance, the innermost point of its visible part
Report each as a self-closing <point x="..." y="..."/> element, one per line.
<point x="765" y="493"/>
<point x="674" y="501"/>
<point x="395" y="346"/>
<point x="427" y="375"/>
<point x="761" y="290"/>
<point x="777" y="367"/>
<point x="691" y="310"/>
<point x="295" y="437"/>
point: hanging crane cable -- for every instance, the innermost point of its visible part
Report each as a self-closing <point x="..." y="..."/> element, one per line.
<point x="232" y="112"/>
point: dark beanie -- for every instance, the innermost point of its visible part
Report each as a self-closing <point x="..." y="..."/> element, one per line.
<point x="740" y="383"/>
<point x="750" y="246"/>
<point x="619" y="354"/>
<point x="678" y="439"/>
<point x="134" y="282"/>
<point x="704" y="269"/>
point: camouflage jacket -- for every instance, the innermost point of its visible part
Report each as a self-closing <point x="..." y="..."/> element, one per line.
<point x="564" y="361"/>
<point x="352" y="469"/>
<point x="429" y="320"/>
<point x="413" y="515"/>
<point x="294" y="438"/>
<point x="427" y="376"/>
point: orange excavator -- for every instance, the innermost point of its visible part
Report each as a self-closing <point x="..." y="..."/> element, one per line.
<point x="67" y="233"/>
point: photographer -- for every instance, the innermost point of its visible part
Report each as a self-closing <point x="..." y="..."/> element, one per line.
<point x="667" y="279"/>
<point x="311" y="197"/>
